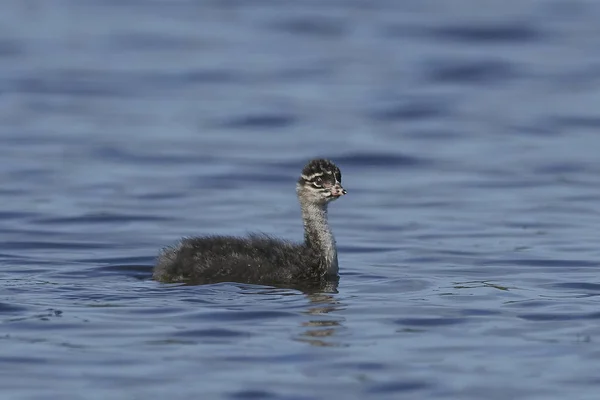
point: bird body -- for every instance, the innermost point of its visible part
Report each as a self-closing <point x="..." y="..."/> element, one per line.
<point x="259" y="258"/>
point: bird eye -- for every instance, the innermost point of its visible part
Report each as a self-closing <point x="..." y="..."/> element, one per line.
<point x="319" y="181"/>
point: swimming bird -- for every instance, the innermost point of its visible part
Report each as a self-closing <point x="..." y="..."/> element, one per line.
<point x="260" y="258"/>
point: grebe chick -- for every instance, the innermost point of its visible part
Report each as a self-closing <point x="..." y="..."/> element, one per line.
<point x="261" y="259"/>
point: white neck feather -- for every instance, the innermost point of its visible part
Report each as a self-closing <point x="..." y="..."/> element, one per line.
<point x="318" y="235"/>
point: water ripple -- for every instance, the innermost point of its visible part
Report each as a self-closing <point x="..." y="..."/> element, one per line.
<point x="215" y="333"/>
<point x="398" y="387"/>
<point x="559" y="317"/>
<point x="471" y="71"/>
<point x="312" y="26"/>
<point x="512" y="32"/>
<point x="264" y="121"/>
<point x="430" y="322"/>
<point x="413" y="111"/>
<point x="365" y="159"/>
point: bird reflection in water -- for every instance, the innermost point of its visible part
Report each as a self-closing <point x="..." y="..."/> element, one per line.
<point x="321" y="328"/>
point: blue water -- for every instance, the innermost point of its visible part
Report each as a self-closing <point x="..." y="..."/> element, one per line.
<point x="467" y="134"/>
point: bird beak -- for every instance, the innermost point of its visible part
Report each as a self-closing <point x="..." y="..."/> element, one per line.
<point x="337" y="190"/>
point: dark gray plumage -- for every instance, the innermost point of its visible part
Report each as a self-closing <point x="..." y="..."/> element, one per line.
<point x="261" y="259"/>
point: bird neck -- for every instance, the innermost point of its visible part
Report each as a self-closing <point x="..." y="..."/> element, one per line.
<point x="318" y="235"/>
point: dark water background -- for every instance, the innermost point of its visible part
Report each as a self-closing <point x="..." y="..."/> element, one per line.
<point x="467" y="133"/>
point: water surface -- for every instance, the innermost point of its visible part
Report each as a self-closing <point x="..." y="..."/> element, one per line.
<point x="467" y="138"/>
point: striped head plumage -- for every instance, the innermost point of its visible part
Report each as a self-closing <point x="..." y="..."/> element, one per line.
<point x="321" y="181"/>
